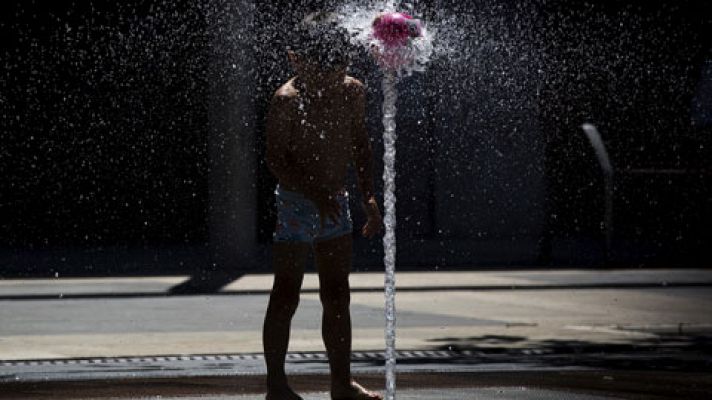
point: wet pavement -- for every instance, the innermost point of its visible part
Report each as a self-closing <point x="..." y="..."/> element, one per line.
<point x="643" y="385"/>
<point x="518" y="393"/>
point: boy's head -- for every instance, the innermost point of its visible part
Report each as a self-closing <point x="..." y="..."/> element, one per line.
<point x="319" y="45"/>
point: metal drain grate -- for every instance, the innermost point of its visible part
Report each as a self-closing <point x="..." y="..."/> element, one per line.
<point x="294" y="356"/>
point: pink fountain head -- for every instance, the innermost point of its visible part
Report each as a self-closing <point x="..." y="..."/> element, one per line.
<point x="394" y="29"/>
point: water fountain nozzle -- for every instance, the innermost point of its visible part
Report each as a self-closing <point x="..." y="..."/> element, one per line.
<point x="395" y="29"/>
<point x="392" y="33"/>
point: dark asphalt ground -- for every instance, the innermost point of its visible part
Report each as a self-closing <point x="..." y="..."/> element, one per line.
<point x="574" y="385"/>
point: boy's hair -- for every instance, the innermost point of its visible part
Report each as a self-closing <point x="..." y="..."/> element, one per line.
<point x="320" y="39"/>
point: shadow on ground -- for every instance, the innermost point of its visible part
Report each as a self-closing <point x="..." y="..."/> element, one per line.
<point x="690" y="353"/>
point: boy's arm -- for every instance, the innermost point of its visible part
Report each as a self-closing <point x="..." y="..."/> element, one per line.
<point x="361" y="149"/>
<point x="279" y="126"/>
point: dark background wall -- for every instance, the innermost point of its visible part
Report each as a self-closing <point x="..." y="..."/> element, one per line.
<point x="105" y="130"/>
<point x="632" y="69"/>
<point x="103" y="124"/>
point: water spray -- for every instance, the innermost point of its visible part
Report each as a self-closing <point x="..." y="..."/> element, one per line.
<point x="392" y="38"/>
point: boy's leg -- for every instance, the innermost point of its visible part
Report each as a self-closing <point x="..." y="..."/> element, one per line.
<point x="288" y="263"/>
<point x="333" y="261"/>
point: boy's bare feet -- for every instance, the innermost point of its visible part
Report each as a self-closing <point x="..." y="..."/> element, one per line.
<point x="281" y="393"/>
<point x="354" y="392"/>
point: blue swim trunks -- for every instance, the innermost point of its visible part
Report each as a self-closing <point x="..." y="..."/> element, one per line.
<point x="298" y="218"/>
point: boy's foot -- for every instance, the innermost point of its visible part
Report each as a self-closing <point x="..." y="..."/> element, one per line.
<point x="354" y="392"/>
<point x="282" y="393"/>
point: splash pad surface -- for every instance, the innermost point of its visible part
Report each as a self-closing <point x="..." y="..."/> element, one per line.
<point x="509" y="393"/>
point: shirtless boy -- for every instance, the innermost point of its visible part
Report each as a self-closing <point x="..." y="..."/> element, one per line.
<point x="315" y="130"/>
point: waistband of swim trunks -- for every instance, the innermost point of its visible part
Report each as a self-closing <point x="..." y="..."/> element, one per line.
<point x="298" y="195"/>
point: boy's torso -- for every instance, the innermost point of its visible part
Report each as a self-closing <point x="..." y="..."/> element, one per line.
<point x="320" y="138"/>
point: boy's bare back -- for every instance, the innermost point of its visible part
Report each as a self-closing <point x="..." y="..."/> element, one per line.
<point x="318" y="134"/>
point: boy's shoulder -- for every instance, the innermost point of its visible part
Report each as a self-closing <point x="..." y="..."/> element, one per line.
<point x="287" y="91"/>
<point x="354" y="84"/>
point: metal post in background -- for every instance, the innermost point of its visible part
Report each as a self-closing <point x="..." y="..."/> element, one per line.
<point x="607" y="168"/>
